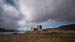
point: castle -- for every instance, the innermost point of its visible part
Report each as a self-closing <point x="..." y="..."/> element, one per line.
<point x="39" y="28"/>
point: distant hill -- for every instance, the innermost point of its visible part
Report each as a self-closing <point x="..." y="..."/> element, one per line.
<point x="6" y="30"/>
<point x="65" y="27"/>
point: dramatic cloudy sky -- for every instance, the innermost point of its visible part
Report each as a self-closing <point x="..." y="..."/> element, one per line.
<point x="21" y="14"/>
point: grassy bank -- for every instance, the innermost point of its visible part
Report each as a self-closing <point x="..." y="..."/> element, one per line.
<point x="38" y="37"/>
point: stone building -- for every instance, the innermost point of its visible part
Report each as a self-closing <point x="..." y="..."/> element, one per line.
<point x="39" y="28"/>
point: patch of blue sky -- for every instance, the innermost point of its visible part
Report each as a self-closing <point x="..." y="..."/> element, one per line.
<point x="44" y="26"/>
<point x="22" y="16"/>
<point x="12" y="3"/>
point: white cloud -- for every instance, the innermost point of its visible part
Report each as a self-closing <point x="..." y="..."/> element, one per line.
<point x="9" y="16"/>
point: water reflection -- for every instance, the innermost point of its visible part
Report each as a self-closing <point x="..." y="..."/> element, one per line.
<point x="7" y="33"/>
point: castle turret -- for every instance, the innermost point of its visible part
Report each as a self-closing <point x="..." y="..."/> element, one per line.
<point x="39" y="27"/>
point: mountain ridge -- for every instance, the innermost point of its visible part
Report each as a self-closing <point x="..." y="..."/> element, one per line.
<point x="6" y="30"/>
<point x="65" y="27"/>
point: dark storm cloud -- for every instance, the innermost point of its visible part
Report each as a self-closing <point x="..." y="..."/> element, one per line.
<point x="44" y="10"/>
<point x="35" y="12"/>
<point x="63" y="11"/>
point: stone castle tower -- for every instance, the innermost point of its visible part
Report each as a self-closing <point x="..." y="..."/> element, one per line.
<point x="39" y="28"/>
